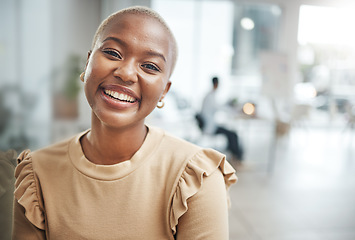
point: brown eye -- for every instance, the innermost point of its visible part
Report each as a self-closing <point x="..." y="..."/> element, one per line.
<point x="113" y="53"/>
<point x="151" y="67"/>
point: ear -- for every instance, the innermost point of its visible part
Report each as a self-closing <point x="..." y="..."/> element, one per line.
<point x="87" y="59"/>
<point x="166" y="90"/>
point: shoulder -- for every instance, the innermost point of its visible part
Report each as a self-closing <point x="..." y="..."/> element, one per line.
<point x="44" y="163"/>
<point x="32" y="167"/>
<point x="192" y="159"/>
<point x="53" y="152"/>
<point x="197" y="168"/>
<point x="28" y="161"/>
<point x="27" y="192"/>
<point x="180" y="150"/>
<point x="179" y="145"/>
<point x="55" y="149"/>
<point x="167" y="144"/>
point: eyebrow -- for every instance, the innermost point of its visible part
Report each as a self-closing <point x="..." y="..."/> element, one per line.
<point x="150" y="53"/>
<point x="114" y="39"/>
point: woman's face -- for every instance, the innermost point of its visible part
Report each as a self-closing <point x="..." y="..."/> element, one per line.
<point x="128" y="70"/>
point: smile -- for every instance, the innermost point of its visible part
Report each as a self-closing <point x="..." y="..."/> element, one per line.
<point x="120" y="96"/>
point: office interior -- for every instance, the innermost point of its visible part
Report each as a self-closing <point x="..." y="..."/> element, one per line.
<point x="287" y="87"/>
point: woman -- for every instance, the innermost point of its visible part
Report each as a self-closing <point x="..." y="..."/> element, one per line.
<point x="122" y="179"/>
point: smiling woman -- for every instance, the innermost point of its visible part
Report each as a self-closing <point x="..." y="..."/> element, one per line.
<point x="128" y="58"/>
<point x="123" y="179"/>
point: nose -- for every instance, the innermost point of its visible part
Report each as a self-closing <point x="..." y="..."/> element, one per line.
<point x="126" y="70"/>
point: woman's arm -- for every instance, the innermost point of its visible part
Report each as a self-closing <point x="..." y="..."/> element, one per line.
<point x="23" y="228"/>
<point x="207" y="214"/>
<point x="28" y="217"/>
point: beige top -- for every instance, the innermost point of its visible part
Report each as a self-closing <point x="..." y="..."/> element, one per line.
<point x="169" y="187"/>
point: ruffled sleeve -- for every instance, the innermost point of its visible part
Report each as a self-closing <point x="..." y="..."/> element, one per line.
<point x="202" y="165"/>
<point x="26" y="190"/>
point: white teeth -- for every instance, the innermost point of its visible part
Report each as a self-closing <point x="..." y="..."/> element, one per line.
<point x="119" y="96"/>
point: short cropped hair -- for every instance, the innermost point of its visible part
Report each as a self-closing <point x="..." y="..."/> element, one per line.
<point x="215" y="80"/>
<point x="139" y="10"/>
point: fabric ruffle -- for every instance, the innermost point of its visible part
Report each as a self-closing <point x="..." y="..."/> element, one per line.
<point x="201" y="165"/>
<point x="26" y="190"/>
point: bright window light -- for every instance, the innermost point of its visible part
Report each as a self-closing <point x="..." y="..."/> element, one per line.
<point x="247" y="23"/>
<point x="326" y="25"/>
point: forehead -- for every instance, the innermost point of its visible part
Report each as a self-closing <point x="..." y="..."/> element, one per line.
<point x="143" y="30"/>
<point x="137" y="26"/>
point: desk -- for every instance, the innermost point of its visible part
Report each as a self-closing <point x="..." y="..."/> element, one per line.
<point x="259" y="135"/>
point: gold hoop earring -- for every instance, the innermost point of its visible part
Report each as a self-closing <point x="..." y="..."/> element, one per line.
<point x="82" y="76"/>
<point x="160" y="104"/>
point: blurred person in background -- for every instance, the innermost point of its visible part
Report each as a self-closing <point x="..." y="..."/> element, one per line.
<point x="209" y="124"/>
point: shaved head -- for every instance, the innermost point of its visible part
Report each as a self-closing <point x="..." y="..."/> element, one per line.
<point x="138" y="10"/>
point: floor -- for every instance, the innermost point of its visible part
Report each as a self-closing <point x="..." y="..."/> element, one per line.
<point x="301" y="189"/>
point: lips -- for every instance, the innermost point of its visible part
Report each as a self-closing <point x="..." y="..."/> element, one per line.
<point x="120" y="94"/>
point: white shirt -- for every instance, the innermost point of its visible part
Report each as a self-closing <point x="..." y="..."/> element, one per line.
<point x="209" y="108"/>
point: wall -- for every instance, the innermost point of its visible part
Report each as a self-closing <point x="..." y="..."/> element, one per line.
<point x="25" y="69"/>
<point x="74" y="25"/>
<point x="36" y="39"/>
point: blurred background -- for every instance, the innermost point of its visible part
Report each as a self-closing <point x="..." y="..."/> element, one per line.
<point x="287" y="87"/>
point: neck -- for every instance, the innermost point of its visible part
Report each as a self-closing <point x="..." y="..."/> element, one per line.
<point x="106" y="145"/>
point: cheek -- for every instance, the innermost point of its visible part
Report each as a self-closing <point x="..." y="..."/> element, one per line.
<point x="97" y="67"/>
<point x="94" y="68"/>
<point x="88" y="94"/>
<point x="92" y="77"/>
<point x="94" y="74"/>
<point x="154" y="91"/>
